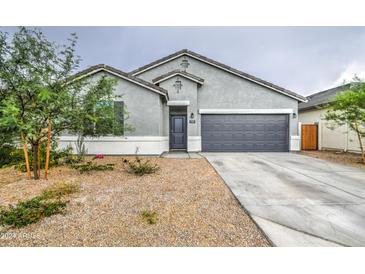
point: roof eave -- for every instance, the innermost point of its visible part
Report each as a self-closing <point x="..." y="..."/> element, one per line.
<point x="95" y="69"/>
<point x="315" y="107"/>
<point x="220" y="66"/>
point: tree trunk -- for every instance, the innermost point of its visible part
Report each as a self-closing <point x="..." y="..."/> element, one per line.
<point x="360" y="142"/>
<point x="35" y="160"/>
<point x="25" y="154"/>
<point x="39" y="160"/>
<point x="48" y="148"/>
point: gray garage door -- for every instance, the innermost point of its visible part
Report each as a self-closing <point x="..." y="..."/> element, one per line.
<point x="245" y="132"/>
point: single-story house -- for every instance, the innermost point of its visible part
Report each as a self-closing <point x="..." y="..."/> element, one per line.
<point x="186" y="101"/>
<point x="329" y="137"/>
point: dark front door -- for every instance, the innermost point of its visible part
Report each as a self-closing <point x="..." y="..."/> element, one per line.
<point x="178" y="131"/>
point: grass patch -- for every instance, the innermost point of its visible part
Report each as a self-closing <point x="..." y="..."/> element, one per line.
<point x="31" y="211"/>
<point x="150" y="216"/>
<point x="140" y="167"/>
<point x="59" y="190"/>
<point x="91" y="166"/>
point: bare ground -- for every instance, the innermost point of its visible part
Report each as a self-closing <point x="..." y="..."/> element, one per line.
<point x="194" y="208"/>
<point x="345" y="158"/>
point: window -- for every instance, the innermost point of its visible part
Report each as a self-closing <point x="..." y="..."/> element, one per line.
<point x="112" y="123"/>
<point x="118" y="128"/>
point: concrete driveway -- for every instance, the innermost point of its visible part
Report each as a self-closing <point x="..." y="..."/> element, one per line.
<point x="297" y="200"/>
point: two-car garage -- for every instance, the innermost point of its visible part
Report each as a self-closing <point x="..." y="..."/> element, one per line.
<point x="245" y="132"/>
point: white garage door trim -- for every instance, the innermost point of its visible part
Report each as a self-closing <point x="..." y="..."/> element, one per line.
<point x="247" y="111"/>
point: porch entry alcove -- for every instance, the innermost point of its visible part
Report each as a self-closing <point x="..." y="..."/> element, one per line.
<point x="178" y="127"/>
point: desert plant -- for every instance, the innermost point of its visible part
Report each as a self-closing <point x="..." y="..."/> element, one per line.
<point x="30" y="211"/>
<point x="150" y="216"/>
<point x="91" y="166"/>
<point x="140" y="167"/>
<point x="80" y="148"/>
<point x="40" y="97"/>
<point x="60" y="190"/>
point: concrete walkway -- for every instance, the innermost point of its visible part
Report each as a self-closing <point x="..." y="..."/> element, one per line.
<point x="297" y="200"/>
<point x="181" y="155"/>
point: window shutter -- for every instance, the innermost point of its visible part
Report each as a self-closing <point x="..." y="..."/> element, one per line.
<point x="119" y="117"/>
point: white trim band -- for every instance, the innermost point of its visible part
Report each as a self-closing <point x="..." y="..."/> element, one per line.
<point x="178" y="103"/>
<point x="181" y="75"/>
<point x="112" y="145"/>
<point x="246" y="111"/>
<point x="73" y="138"/>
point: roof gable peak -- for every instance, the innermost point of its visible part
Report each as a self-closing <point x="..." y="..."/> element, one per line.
<point x="220" y="66"/>
<point x="121" y="74"/>
<point x="179" y="72"/>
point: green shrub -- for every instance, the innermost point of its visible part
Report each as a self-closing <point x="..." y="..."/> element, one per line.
<point x="10" y="155"/>
<point x="140" y="167"/>
<point x="91" y="166"/>
<point x="57" y="157"/>
<point x="30" y="211"/>
<point x="72" y="159"/>
<point x="13" y="156"/>
<point x="150" y="216"/>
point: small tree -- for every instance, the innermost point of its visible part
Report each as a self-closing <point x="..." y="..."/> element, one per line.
<point x="348" y="107"/>
<point x="41" y="99"/>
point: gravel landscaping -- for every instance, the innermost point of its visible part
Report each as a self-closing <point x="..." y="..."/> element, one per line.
<point x="187" y="201"/>
<point x="344" y="158"/>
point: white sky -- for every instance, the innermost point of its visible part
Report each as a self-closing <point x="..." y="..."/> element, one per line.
<point x="302" y="59"/>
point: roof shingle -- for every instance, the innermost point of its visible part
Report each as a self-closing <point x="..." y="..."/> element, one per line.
<point x="322" y="98"/>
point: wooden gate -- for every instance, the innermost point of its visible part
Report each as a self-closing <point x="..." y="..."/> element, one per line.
<point x="309" y="137"/>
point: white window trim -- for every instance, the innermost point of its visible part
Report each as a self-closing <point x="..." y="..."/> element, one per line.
<point x="178" y="103"/>
<point x="247" y="111"/>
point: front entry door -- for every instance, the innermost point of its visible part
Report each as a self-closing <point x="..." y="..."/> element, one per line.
<point x="178" y="132"/>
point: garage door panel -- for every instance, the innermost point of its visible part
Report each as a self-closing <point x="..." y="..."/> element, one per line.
<point x="239" y="132"/>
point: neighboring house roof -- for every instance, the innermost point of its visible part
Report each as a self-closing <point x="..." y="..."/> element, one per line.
<point x="101" y="67"/>
<point x="181" y="73"/>
<point x="322" y="98"/>
<point x="236" y="72"/>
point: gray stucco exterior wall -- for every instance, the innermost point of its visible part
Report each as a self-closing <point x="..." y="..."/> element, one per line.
<point x="188" y="92"/>
<point x="145" y="108"/>
<point x="223" y="90"/>
<point x="203" y="87"/>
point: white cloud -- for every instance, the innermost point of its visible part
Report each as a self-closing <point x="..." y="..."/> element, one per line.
<point x="348" y="74"/>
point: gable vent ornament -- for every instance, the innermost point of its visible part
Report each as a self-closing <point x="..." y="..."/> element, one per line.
<point x="185" y="64"/>
<point x="178" y="85"/>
